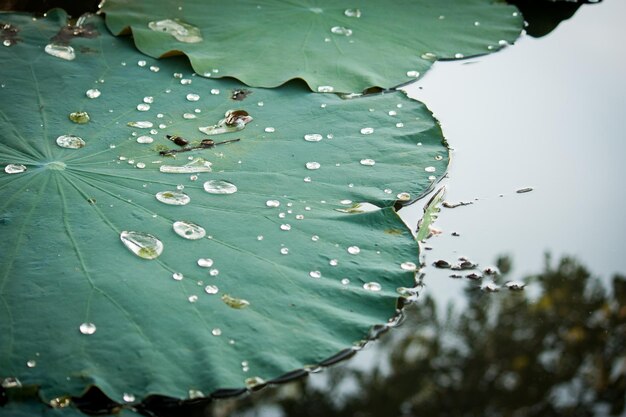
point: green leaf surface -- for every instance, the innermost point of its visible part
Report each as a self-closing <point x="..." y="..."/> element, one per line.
<point x="65" y="272"/>
<point x="265" y="44"/>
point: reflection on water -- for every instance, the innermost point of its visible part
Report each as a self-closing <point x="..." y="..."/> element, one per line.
<point x="557" y="348"/>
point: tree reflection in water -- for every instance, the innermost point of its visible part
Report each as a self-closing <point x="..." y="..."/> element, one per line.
<point x="557" y="348"/>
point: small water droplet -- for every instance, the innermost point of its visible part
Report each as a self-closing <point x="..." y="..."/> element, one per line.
<point x="219" y="187"/>
<point x="429" y="56"/>
<point x="211" y="289"/>
<point x="215" y="91"/>
<point x="270" y="130"/>
<point x="61" y="51"/>
<point x="368" y="162"/>
<point x="312" y="165"/>
<point x="7" y="42"/>
<point x="260" y="237"/>
<point x="285" y="227"/>
<point x="216" y="332"/>
<point x="367" y="131"/>
<point x="145" y="139"/>
<point x="87" y="328"/>
<point x="315" y="238"/>
<point x="477" y="23"/>
<point x="392" y="113"/>
<point x="354" y="250"/>
<point x="345" y="281"/>
<point x="315" y="274"/>
<point x="408" y="266"/>
<point x="189" y="116"/>
<point x="149" y="100"/>
<point x="232" y="302"/>
<point x="141" y="63"/>
<point x="189" y="230"/>
<point x="154" y="68"/>
<point x="333" y="262"/>
<point x="299" y="217"/>
<point x="140" y="124"/>
<point x="181" y="31"/>
<point x="129" y="398"/>
<point x="205" y="262"/>
<point x="438" y="158"/>
<point x="79" y="117"/>
<point x="325" y="89"/>
<point x="192" y="298"/>
<point x="372" y="286"/>
<point x="413" y="74"/>
<point x="185" y="81"/>
<point x="284" y="251"/>
<point x="341" y="30"/>
<point x="60" y="402"/>
<point x="458" y="55"/>
<point x="345" y="202"/>
<point x="403" y="196"/>
<point x="214" y="272"/>
<point x="254" y="382"/>
<point x="143" y="107"/>
<point x="31" y="363"/>
<point x="430" y="169"/>
<point x="307" y="179"/>
<point x="352" y="13"/>
<point x="193" y="97"/>
<point x="173" y="198"/>
<point x="196" y="165"/>
<point x="142" y="244"/>
<point x="313" y="137"/>
<point x="93" y="93"/>
<point x="177" y="276"/>
<point x="272" y="203"/>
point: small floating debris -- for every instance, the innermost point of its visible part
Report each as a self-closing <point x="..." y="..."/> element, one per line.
<point x="442" y="264"/>
<point x="473" y="276"/>
<point x="79" y="117"/>
<point x="232" y="302"/>
<point x="524" y="190"/>
<point x="515" y="285"/>
<point x="447" y="204"/>
<point x="490" y="287"/>
<point x="464" y="264"/>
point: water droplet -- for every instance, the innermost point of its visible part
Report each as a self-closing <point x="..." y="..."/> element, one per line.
<point x="214" y="272"/>
<point x="312" y="165"/>
<point x="143" y="107"/>
<point x="181" y="31"/>
<point x="145" y="139"/>
<point x="254" y="382"/>
<point x="154" y="68"/>
<point x="149" y="100"/>
<point x="189" y="230"/>
<point x="193" y="97"/>
<point x="413" y="74"/>
<point x="315" y="274"/>
<point x="189" y="116"/>
<point x="354" y="250"/>
<point x="196" y="165"/>
<point x="70" y="142"/>
<point x="272" y="203"/>
<point x="408" y="266"/>
<point x="219" y="187"/>
<point x="177" y="276"/>
<point x="368" y="162"/>
<point x="367" y="131"/>
<point x="403" y="196"/>
<point x="7" y="42"/>
<point x="387" y="190"/>
<point x="458" y="55"/>
<point x="502" y="42"/>
<point x="270" y="130"/>
<point x="315" y="238"/>
<point x="429" y="56"/>
<point x="129" y="398"/>
<point x="285" y="227"/>
<point x="192" y="298"/>
<point x="141" y="63"/>
<point x="205" y="262"/>
<point x="476" y="23"/>
<point x="185" y="81"/>
<point x="173" y="198"/>
<point x="299" y="217"/>
<point x="216" y="332"/>
<point x="392" y="113"/>
<point x="307" y="179"/>
<point x="142" y="244"/>
<point x="352" y="12"/>
<point x="233" y="302"/>
<point x="372" y="286"/>
<point x="345" y="281"/>
<point x="31" y="363"/>
<point x="61" y="51"/>
<point x="14" y="169"/>
<point x="284" y="251"/>
<point x="211" y="289"/>
<point x="345" y="202"/>
<point x="325" y="89"/>
<point x="430" y="169"/>
<point x="333" y="262"/>
<point x="438" y="158"/>
<point x="80" y="117"/>
<point x="141" y="124"/>
<point x="93" y="93"/>
<point x="60" y="402"/>
<point x="340" y="30"/>
<point x="313" y="137"/>
<point x="215" y="91"/>
<point x="87" y="328"/>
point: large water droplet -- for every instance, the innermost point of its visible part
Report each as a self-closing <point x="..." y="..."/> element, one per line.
<point x="142" y="244"/>
<point x="87" y="328"/>
<point x="352" y="12"/>
<point x="80" y="117"/>
<point x="368" y="162"/>
<point x="325" y="89"/>
<point x="93" y="93"/>
<point x="205" y="262"/>
<point x="408" y="266"/>
<point x="354" y="250"/>
<point x="315" y="274"/>
<point x="313" y="137"/>
<point x="195" y="166"/>
<point x="219" y="187"/>
<point x="70" y="142"/>
<point x="340" y="30"/>
<point x="312" y="165"/>
<point x="61" y="51"/>
<point x="174" y="198"/>
<point x="233" y="302"/>
<point x="14" y="169"/>
<point x="367" y="131"/>
<point x="183" y="32"/>
<point x="193" y="97"/>
<point x="189" y="230"/>
<point x="372" y="286"/>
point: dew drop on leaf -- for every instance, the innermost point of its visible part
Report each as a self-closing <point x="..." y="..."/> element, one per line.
<point x="211" y="289"/>
<point x="412" y="74"/>
<point x="219" y="187"/>
<point x="408" y="266"/>
<point x="31" y="363"/>
<point x="368" y="162"/>
<point x="315" y="274"/>
<point x="14" y="169"/>
<point x="193" y="97"/>
<point x="93" y="93"/>
<point x="341" y="30"/>
<point x="367" y="131"/>
<point x="354" y="250"/>
<point x="142" y="244"/>
<point x="143" y="107"/>
<point x="313" y="137"/>
<point x="269" y="130"/>
<point x="372" y="286"/>
<point x="61" y="51"/>
<point x="325" y="89"/>
<point x="87" y="328"/>
<point x="70" y="142"/>
<point x="196" y="165"/>
<point x="177" y="276"/>
<point x="145" y="139"/>
<point x="205" y="262"/>
<point x="129" y="398"/>
<point x="312" y="165"/>
<point x="352" y="13"/>
<point x="286" y="227"/>
<point x="173" y="198"/>
<point x="216" y="332"/>
<point x="79" y="117"/>
<point x="272" y="203"/>
<point x="189" y="230"/>
<point x="141" y="124"/>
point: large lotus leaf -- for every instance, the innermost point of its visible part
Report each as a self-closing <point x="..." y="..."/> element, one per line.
<point x="346" y="45"/>
<point x="317" y="270"/>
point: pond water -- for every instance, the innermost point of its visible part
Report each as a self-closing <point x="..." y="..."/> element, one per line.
<point x="546" y="113"/>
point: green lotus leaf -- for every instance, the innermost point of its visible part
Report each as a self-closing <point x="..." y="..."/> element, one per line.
<point x="339" y="46"/>
<point x="147" y="265"/>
